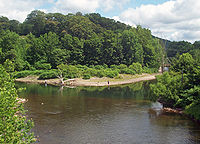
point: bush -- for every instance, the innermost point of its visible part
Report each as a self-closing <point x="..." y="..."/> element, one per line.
<point x="86" y="76"/>
<point x="38" y="72"/>
<point x="48" y="75"/>
<point x="114" y="67"/>
<point x="98" y="67"/>
<point x="100" y="73"/>
<point x="149" y="70"/>
<point x="127" y="71"/>
<point x="23" y="74"/>
<point x="42" y="66"/>
<point x="193" y="110"/>
<point x="105" y="66"/>
<point x="137" y="67"/>
<point x="70" y="71"/>
<point x="82" y="67"/>
<point x="122" y="66"/>
<point x="91" y="71"/>
<point x="111" y="74"/>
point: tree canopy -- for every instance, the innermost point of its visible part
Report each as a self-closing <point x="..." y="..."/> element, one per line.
<point x="89" y="39"/>
<point x="180" y="88"/>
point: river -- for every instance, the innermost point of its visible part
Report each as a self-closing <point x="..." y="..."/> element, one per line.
<point x="104" y="115"/>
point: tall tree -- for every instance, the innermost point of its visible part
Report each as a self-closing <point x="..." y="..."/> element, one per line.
<point x="36" y="19"/>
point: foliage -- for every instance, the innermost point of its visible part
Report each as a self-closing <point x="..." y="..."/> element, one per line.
<point x="111" y="74"/>
<point x="127" y="71"/>
<point x="86" y="76"/>
<point x="54" y="38"/>
<point x="180" y="47"/>
<point x="42" y="66"/>
<point x="180" y="88"/>
<point x="137" y="67"/>
<point x="100" y="73"/>
<point x="69" y="71"/>
<point x="193" y="110"/>
<point x="167" y="89"/>
<point x="14" y="126"/>
<point x="23" y="74"/>
<point x="48" y="75"/>
<point x="149" y="70"/>
<point x="184" y="63"/>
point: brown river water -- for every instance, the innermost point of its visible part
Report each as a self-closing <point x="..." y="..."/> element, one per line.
<point x="104" y="115"/>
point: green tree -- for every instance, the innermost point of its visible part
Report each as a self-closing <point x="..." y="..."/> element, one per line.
<point x="13" y="47"/>
<point x="92" y="50"/>
<point x="4" y="23"/>
<point x="132" y="49"/>
<point x="49" y="44"/>
<point x="14" y="126"/>
<point x="184" y="63"/>
<point x="182" y="91"/>
<point x="37" y="20"/>
<point x="178" y="48"/>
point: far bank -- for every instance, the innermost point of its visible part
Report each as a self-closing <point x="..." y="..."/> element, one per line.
<point x="94" y="81"/>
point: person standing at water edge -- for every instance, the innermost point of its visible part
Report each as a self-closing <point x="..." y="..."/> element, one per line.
<point x="45" y="82"/>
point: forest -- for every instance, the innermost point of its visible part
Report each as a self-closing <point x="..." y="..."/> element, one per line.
<point x="90" y="45"/>
<point x="54" y="39"/>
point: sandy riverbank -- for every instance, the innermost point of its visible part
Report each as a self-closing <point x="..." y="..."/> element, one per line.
<point x="94" y="81"/>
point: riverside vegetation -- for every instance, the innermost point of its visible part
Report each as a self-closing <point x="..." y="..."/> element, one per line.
<point x="76" y="45"/>
<point x="14" y="126"/>
<point x="180" y="88"/>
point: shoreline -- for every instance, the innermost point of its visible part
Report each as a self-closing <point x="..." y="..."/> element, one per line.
<point x="94" y="81"/>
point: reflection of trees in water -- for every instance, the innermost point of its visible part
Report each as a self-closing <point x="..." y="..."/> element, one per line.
<point x="79" y="97"/>
<point x="137" y="90"/>
<point x="122" y="90"/>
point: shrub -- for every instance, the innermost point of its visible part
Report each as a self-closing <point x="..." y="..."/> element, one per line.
<point x="23" y="74"/>
<point x="100" y="73"/>
<point x="111" y="74"/>
<point x="127" y="71"/>
<point x="98" y="67"/>
<point x="42" y="66"/>
<point x="105" y="66"/>
<point x="83" y="67"/>
<point x="91" y="66"/>
<point x="91" y="71"/>
<point x="38" y="72"/>
<point x="122" y="66"/>
<point x="69" y="71"/>
<point x="149" y="70"/>
<point x="137" y="67"/>
<point x="86" y="76"/>
<point x="114" y="67"/>
<point x="48" y="75"/>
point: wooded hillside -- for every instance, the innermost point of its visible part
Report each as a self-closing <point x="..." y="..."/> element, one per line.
<point x="88" y="39"/>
